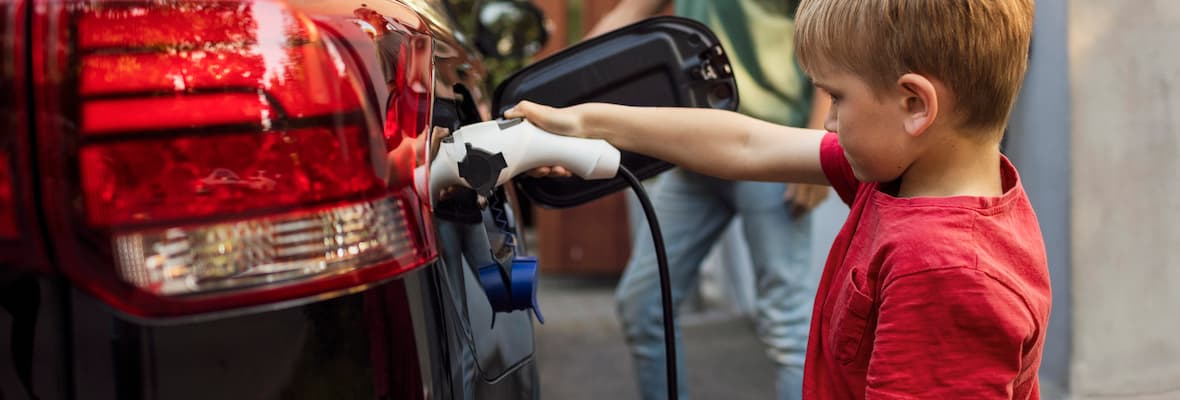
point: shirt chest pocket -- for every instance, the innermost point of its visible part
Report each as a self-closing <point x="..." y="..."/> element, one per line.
<point x="850" y="318"/>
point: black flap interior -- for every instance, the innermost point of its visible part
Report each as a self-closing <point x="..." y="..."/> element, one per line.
<point x="663" y="61"/>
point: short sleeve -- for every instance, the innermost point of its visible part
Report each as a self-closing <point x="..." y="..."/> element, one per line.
<point x="837" y="169"/>
<point x="950" y="333"/>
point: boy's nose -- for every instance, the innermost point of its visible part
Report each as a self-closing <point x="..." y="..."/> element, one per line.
<point x="830" y="124"/>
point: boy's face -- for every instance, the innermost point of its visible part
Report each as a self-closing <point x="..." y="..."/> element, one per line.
<point x="869" y="125"/>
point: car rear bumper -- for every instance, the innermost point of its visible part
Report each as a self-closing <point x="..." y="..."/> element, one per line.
<point x="391" y="340"/>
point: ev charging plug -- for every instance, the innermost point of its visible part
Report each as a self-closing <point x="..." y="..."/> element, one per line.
<point x="486" y="155"/>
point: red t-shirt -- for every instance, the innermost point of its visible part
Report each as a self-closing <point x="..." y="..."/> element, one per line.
<point x="932" y="298"/>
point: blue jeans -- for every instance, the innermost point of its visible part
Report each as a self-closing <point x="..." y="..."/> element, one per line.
<point x="693" y="211"/>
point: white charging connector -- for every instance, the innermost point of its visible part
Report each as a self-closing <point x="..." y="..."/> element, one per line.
<point x="485" y="155"/>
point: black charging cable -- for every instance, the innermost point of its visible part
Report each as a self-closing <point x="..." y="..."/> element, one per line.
<point x="665" y="280"/>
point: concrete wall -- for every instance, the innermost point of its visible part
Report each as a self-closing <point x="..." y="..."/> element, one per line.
<point x="1125" y="101"/>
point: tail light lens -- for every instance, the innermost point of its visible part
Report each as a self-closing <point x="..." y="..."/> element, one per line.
<point x="218" y="154"/>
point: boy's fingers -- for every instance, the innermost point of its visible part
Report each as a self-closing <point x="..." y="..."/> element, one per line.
<point x="524" y="109"/>
<point x="539" y="172"/>
<point x="555" y="171"/>
<point x="514" y="111"/>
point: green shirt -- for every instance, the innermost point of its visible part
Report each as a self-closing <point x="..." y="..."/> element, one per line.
<point x="759" y="37"/>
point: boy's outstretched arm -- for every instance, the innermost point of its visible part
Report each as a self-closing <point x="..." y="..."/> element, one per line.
<point x="720" y="143"/>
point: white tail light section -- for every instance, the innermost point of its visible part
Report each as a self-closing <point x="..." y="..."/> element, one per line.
<point x="267" y="251"/>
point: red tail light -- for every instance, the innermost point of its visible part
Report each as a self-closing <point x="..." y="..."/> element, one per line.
<point x="216" y="155"/>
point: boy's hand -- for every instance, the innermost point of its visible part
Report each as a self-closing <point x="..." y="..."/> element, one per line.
<point x="802" y="198"/>
<point x="566" y="121"/>
<point x="562" y="121"/>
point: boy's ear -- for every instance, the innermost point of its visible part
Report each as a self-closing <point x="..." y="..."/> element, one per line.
<point x="919" y="102"/>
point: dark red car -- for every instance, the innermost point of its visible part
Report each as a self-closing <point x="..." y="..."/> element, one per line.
<point x="216" y="199"/>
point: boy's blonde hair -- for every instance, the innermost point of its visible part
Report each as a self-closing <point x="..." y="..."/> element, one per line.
<point x="977" y="48"/>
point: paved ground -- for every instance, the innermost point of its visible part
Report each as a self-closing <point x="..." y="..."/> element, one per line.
<point x="581" y="353"/>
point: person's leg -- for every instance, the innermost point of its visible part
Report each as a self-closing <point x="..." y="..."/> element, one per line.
<point x="691" y="216"/>
<point x="780" y="246"/>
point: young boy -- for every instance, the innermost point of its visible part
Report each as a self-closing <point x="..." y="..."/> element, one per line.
<point x="937" y="286"/>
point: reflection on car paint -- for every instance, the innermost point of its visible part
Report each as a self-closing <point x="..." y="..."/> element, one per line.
<point x="225" y="177"/>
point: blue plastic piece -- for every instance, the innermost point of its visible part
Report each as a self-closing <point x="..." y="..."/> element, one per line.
<point x="524" y="285"/>
<point x="492" y="280"/>
<point x="515" y="292"/>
